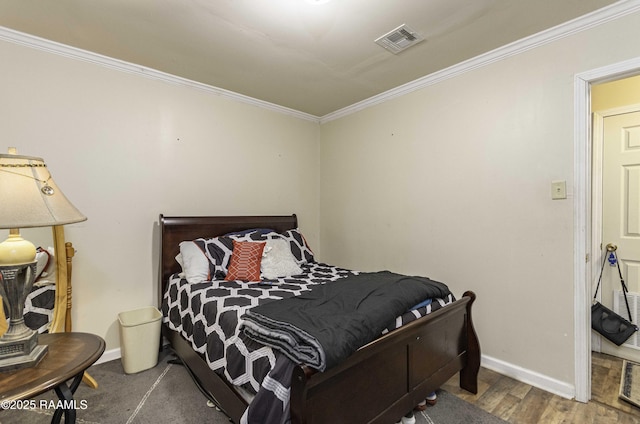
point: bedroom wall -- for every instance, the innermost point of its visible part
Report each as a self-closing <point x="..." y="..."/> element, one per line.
<point x="454" y="182"/>
<point x="125" y="148"/>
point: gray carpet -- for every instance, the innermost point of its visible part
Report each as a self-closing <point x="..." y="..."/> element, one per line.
<point x="166" y="394"/>
<point x="452" y="410"/>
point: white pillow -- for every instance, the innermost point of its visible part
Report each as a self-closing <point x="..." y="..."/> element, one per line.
<point x="42" y="261"/>
<point x="181" y="263"/>
<point x="45" y="267"/>
<point x="278" y="261"/>
<point x="195" y="264"/>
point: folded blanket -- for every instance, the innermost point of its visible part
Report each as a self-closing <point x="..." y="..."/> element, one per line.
<point x="325" y="325"/>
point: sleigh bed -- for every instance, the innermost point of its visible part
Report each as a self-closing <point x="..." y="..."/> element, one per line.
<point x="378" y="383"/>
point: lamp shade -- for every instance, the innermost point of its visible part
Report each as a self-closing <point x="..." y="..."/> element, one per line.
<point x="29" y="197"/>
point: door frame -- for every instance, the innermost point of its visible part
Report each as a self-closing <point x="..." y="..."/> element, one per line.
<point x="585" y="234"/>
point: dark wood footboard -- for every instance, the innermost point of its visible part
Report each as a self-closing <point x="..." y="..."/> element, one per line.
<point x="390" y="376"/>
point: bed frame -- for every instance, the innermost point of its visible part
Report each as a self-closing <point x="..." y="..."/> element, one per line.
<point x="378" y="384"/>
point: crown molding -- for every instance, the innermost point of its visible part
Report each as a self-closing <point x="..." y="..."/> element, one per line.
<point x="599" y="17"/>
<point x="59" y="49"/>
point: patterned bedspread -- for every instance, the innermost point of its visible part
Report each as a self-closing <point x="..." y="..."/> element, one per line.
<point x="38" y="308"/>
<point x="208" y="316"/>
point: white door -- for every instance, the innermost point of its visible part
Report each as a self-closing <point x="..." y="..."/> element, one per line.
<point x="621" y="219"/>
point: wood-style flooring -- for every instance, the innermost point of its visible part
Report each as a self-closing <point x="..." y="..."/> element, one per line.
<point x="520" y="403"/>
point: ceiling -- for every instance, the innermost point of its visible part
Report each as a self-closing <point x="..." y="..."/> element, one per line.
<point x="312" y="58"/>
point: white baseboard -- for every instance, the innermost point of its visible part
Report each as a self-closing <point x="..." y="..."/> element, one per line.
<point x="113" y="354"/>
<point x="109" y="355"/>
<point x="533" y="378"/>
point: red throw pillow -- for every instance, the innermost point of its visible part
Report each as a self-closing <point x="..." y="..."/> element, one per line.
<point x="245" y="261"/>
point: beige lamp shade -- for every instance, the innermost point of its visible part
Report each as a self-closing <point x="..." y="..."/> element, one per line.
<point x="29" y="197"/>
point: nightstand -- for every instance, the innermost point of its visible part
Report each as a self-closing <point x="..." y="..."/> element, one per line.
<point x="69" y="355"/>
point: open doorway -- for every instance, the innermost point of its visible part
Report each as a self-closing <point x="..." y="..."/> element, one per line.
<point x="586" y="233"/>
<point x="616" y="201"/>
<point x="615" y="220"/>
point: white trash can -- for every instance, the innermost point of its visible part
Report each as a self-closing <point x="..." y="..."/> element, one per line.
<point x="139" y="339"/>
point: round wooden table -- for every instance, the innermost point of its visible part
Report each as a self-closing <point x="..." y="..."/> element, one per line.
<point x="69" y="355"/>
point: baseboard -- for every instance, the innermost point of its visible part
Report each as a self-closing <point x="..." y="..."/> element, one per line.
<point x="109" y="355"/>
<point x="533" y="378"/>
<point x="113" y="354"/>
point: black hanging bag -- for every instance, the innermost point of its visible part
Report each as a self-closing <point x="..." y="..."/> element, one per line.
<point x="612" y="326"/>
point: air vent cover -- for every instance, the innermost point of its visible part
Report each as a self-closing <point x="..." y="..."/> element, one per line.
<point x="399" y="39"/>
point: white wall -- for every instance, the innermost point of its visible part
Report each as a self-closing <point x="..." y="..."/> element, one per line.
<point x="125" y="148"/>
<point x="454" y="182"/>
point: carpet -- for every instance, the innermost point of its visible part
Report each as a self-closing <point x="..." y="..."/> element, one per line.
<point x="630" y="382"/>
<point x="166" y="394"/>
<point x="163" y="394"/>
<point x="452" y="410"/>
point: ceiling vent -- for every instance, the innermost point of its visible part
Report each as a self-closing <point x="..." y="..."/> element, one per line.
<point x="399" y="39"/>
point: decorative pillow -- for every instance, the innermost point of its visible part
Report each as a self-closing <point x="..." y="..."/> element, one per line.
<point x="245" y="261"/>
<point x="195" y="264"/>
<point x="298" y="245"/>
<point x="218" y="251"/>
<point x="278" y="261"/>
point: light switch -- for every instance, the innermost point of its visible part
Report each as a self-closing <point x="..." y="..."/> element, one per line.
<point x="558" y="190"/>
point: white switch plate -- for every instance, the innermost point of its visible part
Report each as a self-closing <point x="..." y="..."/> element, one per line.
<point x="558" y="190"/>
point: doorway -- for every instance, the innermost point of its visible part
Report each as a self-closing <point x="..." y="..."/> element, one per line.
<point x="616" y="198"/>
<point x="586" y="226"/>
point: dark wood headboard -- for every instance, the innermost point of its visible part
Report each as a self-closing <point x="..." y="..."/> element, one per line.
<point x="175" y="229"/>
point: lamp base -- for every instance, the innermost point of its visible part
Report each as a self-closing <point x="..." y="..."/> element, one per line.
<point x="19" y="344"/>
<point x="24" y="353"/>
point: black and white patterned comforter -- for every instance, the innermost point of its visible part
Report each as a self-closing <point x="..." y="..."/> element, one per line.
<point x="208" y="316"/>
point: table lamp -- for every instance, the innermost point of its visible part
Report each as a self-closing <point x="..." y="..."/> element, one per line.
<point x="28" y="198"/>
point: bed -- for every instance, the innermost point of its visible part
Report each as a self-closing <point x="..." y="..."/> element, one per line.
<point x="378" y="383"/>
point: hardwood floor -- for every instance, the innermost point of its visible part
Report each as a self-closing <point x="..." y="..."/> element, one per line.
<point x="520" y="403"/>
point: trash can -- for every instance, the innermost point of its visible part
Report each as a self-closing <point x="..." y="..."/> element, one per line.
<point x="139" y="339"/>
